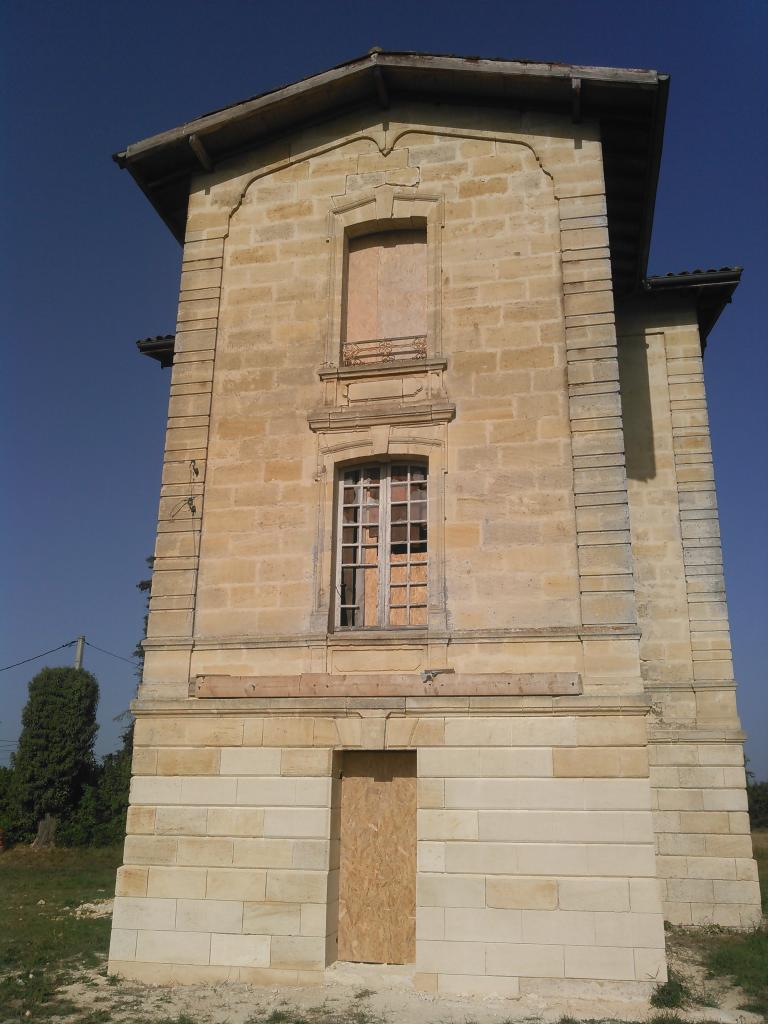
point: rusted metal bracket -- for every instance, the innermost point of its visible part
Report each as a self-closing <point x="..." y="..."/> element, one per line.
<point x="197" y="147"/>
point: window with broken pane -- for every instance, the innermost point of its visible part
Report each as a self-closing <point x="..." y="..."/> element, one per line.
<point x="381" y="567"/>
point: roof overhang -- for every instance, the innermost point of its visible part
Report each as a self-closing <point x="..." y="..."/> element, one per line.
<point x="159" y="348"/>
<point x="709" y="290"/>
<point x="629" y="104"/>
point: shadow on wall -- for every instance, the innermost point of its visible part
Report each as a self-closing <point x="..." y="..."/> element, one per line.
<point x="635" y="387"/>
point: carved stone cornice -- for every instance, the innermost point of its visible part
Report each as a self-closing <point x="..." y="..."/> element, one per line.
<point x="349" y="418"/>
<point x="393" y="368"/>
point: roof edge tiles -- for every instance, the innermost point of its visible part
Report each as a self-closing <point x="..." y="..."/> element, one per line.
<point x="711" y="291"/>
<point x="160" y="348"/>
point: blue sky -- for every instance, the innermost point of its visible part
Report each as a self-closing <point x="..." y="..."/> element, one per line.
<point x="88" y="267"/>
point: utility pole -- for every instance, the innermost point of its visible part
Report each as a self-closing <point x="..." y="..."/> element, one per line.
<point x="79" y="650"/>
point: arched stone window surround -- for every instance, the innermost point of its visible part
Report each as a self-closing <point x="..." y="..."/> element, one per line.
<point x="383" y="209"/>
<point x="335" y="454"/>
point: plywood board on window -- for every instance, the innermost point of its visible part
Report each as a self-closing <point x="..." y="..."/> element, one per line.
<point x="386" y="285"/>
<point x="377" y="898"/>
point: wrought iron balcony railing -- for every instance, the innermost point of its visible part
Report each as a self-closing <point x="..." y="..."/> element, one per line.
<point x="384" y="350"/>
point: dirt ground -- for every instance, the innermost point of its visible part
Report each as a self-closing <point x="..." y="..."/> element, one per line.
<point x="56" y="911"/>
<point x="359" y="997"/>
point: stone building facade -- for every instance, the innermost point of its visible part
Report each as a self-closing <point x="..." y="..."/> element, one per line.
<point x="438" y="667"/>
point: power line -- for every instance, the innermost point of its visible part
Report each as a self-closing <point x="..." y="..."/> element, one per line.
<point x="70" y="643"/>
<point x="131" y="661"/>
<point x="36" y="656"/>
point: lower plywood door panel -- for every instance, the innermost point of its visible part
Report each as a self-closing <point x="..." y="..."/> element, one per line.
<point x="377" y="898"/>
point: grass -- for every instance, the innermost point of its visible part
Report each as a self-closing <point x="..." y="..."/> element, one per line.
<point x="42" y="945"/>
<point x="745" y="959"/>
<point x="673" y="994"/>
<point x="317" y="1015"/>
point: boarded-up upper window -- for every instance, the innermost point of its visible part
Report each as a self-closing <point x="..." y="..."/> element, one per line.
<point x="385" y="297"/>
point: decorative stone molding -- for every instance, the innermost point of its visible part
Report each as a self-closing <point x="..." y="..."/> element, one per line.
<point x="370" y="415"/>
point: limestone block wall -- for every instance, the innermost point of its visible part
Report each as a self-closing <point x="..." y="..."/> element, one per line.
<point x="697" y="774"/>
<point x="536" y="868"/>
<point x="705" y="862"/>
<point x="509" y="485"/>
<point x="532" y="502"/>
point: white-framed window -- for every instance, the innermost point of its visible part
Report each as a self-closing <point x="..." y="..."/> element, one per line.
<point x="381" y="550"/>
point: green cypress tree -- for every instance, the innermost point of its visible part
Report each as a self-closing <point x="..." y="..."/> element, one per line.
<point x="54" y="758"/>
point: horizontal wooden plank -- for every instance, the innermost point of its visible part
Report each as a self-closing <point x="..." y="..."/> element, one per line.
<point x="389" y="684"/>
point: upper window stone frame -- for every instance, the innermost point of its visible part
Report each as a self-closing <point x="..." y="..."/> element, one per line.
<point x="383" y="209"/>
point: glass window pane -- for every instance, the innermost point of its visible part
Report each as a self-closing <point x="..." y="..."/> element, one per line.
<point x="347" y="586"/>
<point x="348" y="555"/>
<point x="351" y="476"/>
<point x="399" y="472"/>
<point x="418" y="510"/>
<point x="350" y="495"/>
<point x="349" y="535"/>
<point x="418" y="473"/>
<point x="399" y="534"/>
<point x="418" y="492"/>
<point x="418" y="531"/>
<point x="399" y="492"/>
<point x="371" y="515"/>
<point x="399" y="513"/>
